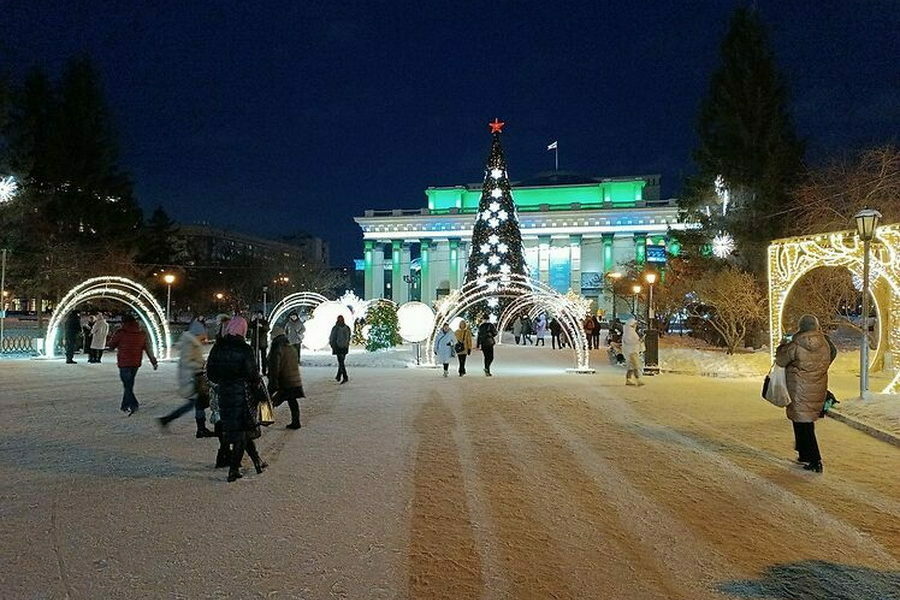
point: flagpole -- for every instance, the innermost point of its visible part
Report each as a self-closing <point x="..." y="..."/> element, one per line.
<point x="556" y="154"/>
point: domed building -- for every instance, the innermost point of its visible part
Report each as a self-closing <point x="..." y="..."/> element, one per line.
<point x="575" y="229"/>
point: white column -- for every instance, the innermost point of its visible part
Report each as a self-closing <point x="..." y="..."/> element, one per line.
<point x="377" y="271"/>
<point x="544" y="258"/>
<point x="402" y="295"/>
<point x="575" y="263"/>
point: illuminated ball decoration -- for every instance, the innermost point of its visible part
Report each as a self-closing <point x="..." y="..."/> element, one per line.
<point x="454" y="323"/>
<point x="318" y="328"/>
<point x="723" y="245"/>
<point x="416" y="321"/>
<point x="8" y="188"/>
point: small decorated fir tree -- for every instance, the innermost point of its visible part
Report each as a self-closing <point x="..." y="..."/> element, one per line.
<point x="384" y="328"/>
<point x="496" y="239"/>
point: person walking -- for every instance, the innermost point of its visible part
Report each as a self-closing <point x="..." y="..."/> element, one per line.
<point x="631" y="348"/>
<point x="239" y="388"/>
<point x="527" y="331"/>
<point x="192" y="384"/>
<point x="99" y="333"/>
<point x="131" y="343"/>
<point x="463" y="346"/>
<point x="588" y="325"/>
<point x="445" y="347"/>
<point x="486" y="339"/>
<point x="517" y="327"/>
<point x="555" y="331"/>
<point x="87" y="322"/>
<point x="540" y="330"/>
<point x="595" y="334"/>
<point x="258" y="336"/>
<point x="285" y="383"/>
<point x="339" y="340"/>
<point x="71" y="333"/>
<point x="806" y="359"/>
<point x="294" y="329"/>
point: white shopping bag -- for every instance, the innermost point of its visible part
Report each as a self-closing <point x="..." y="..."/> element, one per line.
<point x="775" y="387"/>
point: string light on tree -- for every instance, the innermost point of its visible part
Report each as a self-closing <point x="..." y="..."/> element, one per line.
<point x="723" y="245"/>
<point x="496" y="239"/>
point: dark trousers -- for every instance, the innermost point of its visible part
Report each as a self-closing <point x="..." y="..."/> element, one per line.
<point x="596" y="339"/>
<point x="262" y="363"/>
<point x="342" y="368"/>
<point x="517" y="339"/>
<point x="291" y="396"/>
<point x="237" y="452"/>
<point x="297" y="348"/>
<point x="488" y="352"/>
<point x="462" y="363"/>
<point x="94" y="355"/>
<point x="540" y="342"/>
<point x="71" y="345"/>
<point x="127" y="375"/>
<point x="199" y="413"/>
<point x="805" y="442"/>
<point x="555" y="341"/>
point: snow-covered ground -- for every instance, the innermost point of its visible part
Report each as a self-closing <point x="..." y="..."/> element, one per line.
<point x="404" y="484"/>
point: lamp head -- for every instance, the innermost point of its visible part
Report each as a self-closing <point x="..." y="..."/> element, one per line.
<point x="866" y="223"/>
<point x="636" y="289"/>
<point x="650" y="277"/>
<point x="614" y="275"/>
<point x="169" y="278"/>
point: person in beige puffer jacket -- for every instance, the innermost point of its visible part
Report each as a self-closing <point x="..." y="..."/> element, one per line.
<point x="806" y="359"/>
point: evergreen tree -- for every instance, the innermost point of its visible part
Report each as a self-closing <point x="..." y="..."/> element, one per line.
<point x="496" y="239"/>
<point x="160" y="243"/>
<point x="749" y="156"/>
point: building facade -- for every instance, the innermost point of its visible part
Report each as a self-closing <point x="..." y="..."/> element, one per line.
<point x="575" y="231"/>
<point x="213" y="245"/>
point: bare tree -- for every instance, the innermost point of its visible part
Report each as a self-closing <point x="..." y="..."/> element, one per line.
<point x="731" y="301"/>
<point x="830" y="196"/>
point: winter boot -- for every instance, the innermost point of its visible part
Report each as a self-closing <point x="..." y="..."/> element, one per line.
<point x="222" y="457"/>
<point x="234" y="474"/>
<point x="202" y="431"/>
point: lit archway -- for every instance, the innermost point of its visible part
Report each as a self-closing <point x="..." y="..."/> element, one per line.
<point x="120" y="289"/>
<point x="309" y="300"/>
<point x="532" y="305"/>
<point x="791" y="258"/>
<point x="515" y="287"/>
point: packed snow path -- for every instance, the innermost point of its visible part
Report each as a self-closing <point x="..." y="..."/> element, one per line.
<point x="403" y="484"/>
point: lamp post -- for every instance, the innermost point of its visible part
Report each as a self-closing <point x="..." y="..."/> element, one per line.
<point x="866" y="224"/>
<point x="265" y="307"/>
<point x="615" y="276"/>
<point x="636" y="289"/>
<point x="651" y="339"/>
<point x="650" y="278"/>
<point x="169" y="279"/>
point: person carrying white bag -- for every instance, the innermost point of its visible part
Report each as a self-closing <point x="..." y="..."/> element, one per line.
<point x="805" y="358"/>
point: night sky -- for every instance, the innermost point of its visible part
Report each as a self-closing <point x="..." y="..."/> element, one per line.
<point x="273" y="117"/>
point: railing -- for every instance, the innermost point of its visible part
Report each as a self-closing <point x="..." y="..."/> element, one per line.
<point x="18" y="344"/>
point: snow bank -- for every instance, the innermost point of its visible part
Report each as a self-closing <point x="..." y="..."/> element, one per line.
<point x="399" y="357"/>
<point x="713" y="363"/>
<point x="879" y="410"/>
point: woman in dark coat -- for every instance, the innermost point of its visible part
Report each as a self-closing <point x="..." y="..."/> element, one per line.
<point x="806" y="359"/>
<point x="232" y="367"/>
<point x="339" y="340"/>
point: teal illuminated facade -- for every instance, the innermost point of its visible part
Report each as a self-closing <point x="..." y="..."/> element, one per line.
<point x="575" y="231"/>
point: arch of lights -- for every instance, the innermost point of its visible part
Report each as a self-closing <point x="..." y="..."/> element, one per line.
<point x="293" y="302"/>
<point x="516" y="287"/>
<point x="791" y="258"/>
<point x="125" y="291"/>
<point x="531" y="305"/>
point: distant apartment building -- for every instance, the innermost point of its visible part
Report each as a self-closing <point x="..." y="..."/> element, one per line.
<point x="212" y="245"/>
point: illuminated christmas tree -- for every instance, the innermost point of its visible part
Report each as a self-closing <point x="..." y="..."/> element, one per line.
<point x="496" y="239"/>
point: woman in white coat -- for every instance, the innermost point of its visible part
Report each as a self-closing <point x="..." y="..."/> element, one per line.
<point x="445" y="346"/>
<point x="631" y="348"/>
<point x="99" y="331"/>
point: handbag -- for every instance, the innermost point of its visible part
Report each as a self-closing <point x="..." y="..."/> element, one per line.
<point x="201" y="389"/>
<point x="265" y="412"/>
<point x="459" y="347"/>
<point x="774" y="388"/>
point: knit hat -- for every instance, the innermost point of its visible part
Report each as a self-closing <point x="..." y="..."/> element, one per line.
<point x="236" y="326"/>
<point x="808" y="323"/>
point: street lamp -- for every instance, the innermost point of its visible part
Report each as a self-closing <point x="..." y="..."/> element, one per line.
<point x="614" y="276"/>
<point x="169" y="279"/>
<point x="866" y="224"/>
<point x="636" y="289"/>
<point x="650" y="278"/>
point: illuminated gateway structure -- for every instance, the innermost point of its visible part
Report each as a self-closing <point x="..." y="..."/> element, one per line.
<point x="575" y="230"/>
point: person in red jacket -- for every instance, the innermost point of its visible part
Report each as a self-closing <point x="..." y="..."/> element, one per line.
<point x="130" y="343"/>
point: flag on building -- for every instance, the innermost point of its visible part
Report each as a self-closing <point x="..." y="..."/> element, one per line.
<point x="553" y="146"/>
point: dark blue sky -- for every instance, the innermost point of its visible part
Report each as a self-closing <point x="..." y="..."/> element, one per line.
<point x="273" y="117"/>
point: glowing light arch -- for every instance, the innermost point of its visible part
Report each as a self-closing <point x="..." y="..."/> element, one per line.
<point x="292" y="302"/>
<point x="123" y="290"/>
<point x="792" y="258"/>
<point x="499" y="285"/>
<point x="533" y="304"/>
